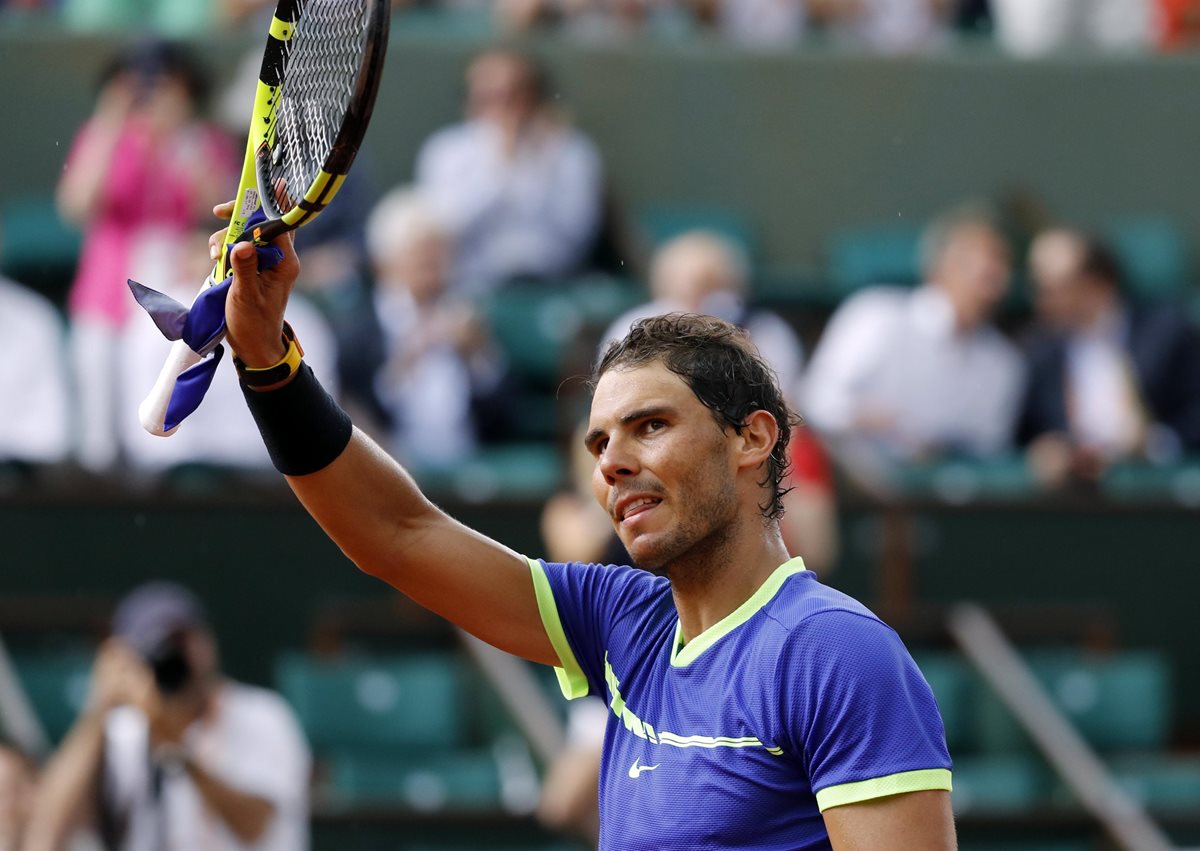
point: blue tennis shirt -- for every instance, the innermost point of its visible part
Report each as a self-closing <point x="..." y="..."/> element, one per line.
<point x="798" y="701"/>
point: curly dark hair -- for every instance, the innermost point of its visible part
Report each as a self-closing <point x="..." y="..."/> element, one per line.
<point x="723" y="368"/>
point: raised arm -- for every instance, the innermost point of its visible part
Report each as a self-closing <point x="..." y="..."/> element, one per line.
<point x="363" y="499"/>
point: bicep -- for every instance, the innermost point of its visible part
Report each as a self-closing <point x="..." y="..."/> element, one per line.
<point x="374" y="511"/>
<point x="920" y="821"/>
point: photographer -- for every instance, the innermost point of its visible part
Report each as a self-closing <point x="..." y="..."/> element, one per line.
<point x="168" y="752"/>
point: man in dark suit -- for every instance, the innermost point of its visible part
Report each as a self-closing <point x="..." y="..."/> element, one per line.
<point x="1107" y="380"/>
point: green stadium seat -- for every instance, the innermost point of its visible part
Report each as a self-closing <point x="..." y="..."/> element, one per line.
<point x="659" y="224"/>
<point x="101" y="15"/>
<point x="386" y="702"/>
<point x="424" y="781"/>
<point x="1161" y="782"/>
<point x="1119" y="702"/>
<point x="514" y="472"/>
<point x="954" y="685"/>
<point x="860" y="257"/>
<point x="448" y="23"/>
<point x="1028" y="845"/>
<point x="39" y="249"/>
<point x="999" y="784"/>
<point x="57" y="686"/>
<point x="961" y="481"/>
<point x="536" y="327"/>
<point x="1154" y="256"/>
<point x="1137" y="482"/>
<point x="601" y="298"/>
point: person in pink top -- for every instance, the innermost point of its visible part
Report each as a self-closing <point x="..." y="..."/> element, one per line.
<point x="142" y="174"/>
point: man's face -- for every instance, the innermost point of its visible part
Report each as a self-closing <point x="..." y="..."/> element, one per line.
<point x="1060" y="293"/>
<point x="498" y="89"/>
<point x="974" y="270"/>
<point x="664" y="469"/>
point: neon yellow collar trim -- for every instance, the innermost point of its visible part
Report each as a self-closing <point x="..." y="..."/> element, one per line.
<point x="683" y="655"/>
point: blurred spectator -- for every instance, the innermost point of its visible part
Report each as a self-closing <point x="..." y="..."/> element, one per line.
<point x="221" y="431"/>
<point x="18" y="783"/>
<point x="443" y="379"/>
<point x="922" y="373"/>
<point x="570" y="801"/>
<point x="755" y="23"/>
<point x="1037" y="27"/>
<point x="704" y="272"/>
<point x="1107" y="379"/>
<point x="518" y="187"/>
<point x="592" y="18"/>
<point x="169" y="753"/>
<point x="884" y="26"/>
<point x="142" y="173"/>
<point x="35" y="427"/>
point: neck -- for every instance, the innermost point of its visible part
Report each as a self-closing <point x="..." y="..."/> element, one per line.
<point x="717" y="576"/>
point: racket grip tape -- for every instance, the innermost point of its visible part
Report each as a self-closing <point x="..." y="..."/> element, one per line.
<point x="153" y="411"/>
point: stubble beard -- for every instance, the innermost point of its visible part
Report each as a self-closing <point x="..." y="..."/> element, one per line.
<point x="693" y="552"/>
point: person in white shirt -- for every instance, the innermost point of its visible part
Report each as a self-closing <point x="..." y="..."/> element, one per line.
<point x="170" y="754"/>
<point x="1032" y="28"/>
<point x="917" y="374"/>
<point x="35" y="427"/>
<point x="518" y="187"/>
<point x="443" y="375"/>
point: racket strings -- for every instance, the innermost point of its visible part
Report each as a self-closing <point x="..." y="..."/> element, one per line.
<point x="322" y="65"/>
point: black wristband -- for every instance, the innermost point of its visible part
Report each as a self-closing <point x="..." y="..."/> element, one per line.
<point x="303" y="427"/>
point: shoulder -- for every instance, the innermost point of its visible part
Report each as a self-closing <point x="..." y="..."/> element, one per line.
<point x="803" y="597"/>
<point x="256" y="705"/>
<point x="819" y="631"/>
<point x="608" y="577"/>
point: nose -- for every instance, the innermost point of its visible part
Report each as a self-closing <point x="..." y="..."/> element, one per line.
<point x="617" y="462"/>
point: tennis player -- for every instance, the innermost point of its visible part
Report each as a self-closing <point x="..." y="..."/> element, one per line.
<point x="751" y="707"/>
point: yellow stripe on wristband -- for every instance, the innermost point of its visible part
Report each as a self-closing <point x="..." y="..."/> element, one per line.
<point x="278" y="373"/>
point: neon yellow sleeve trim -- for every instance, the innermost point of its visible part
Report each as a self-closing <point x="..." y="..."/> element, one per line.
<point x="880" y="787"/>
<point x="570" y="676"/>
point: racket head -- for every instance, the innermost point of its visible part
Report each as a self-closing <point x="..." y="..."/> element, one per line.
<point x="317" y="85"/>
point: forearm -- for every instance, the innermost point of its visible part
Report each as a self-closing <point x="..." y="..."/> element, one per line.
<point x="246" y="815"/>
<point x="83" y="179"/>
<point x="68" y="790"/>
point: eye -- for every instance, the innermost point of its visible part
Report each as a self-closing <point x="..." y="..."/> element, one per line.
<point x="598" y="447"/>
<point x="655" y="425"/>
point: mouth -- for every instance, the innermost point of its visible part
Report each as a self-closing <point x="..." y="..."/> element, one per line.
<point x="629" y="508"/>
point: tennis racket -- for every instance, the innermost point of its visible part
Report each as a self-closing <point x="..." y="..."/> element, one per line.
<point x="316" y="89"/>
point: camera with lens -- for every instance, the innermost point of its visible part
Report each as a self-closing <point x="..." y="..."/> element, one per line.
<point x="169" y="662"/>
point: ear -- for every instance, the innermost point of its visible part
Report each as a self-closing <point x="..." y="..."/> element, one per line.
<point x="760" y="432"/>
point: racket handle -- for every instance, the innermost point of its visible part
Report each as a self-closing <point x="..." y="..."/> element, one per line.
<point x="153" y="410"/>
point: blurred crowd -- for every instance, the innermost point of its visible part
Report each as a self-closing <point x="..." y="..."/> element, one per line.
<point x="397" y="291"/>
<point x="1023" y="27"/>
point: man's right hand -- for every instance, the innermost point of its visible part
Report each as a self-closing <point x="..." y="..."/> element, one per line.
<point x="257" y="300"/>
<point x="120" y="677"/>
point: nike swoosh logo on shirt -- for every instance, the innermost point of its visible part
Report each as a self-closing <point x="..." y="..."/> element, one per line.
<point x="635" y="770"/>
